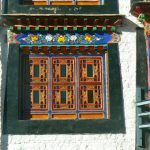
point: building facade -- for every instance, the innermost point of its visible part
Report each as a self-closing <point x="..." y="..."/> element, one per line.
<point x="63" y="65"/>
<point x="66" y="62"/>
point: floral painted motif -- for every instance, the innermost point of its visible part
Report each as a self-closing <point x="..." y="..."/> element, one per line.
<point x="61" y="39"/>
<point x="34" y="38"/>
<point x="12" y="38"/>
<point x="78" y="38"/>
<point x="88" y="37"/>
<point x="49" y="38"/>
<point x="73" y="38"/>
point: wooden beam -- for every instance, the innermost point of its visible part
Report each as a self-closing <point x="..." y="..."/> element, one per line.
<point x="106" y="21"/>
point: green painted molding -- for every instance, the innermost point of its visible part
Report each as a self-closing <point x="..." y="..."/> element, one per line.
<point x="142" y="17"/>
<point x="94" y="28"/>
<point x="104" y="28"/>
<point x="113" y="28"/>
<point x="65" y="28"/>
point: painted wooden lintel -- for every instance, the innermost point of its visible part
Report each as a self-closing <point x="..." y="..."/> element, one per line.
<point x="62" y="28"/>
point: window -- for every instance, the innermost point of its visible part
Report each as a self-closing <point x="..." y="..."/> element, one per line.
<point x="64" y="2"/>
<point x="63" y="70"/>
<point x="64" y="87"/>
<point x="35" y="97"/>
<point x="63" y="97"/>
<point x="18" y="111"/>
<point x="36" y="70"/>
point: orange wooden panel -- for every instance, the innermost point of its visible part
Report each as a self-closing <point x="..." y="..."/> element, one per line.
<point x="40" y="3"/>
<point x="64" y="116"/>
<point x="87" y="3"/>
<point x="43" y="97"/>
<point x="61" y="3"/>
<point x="92" y="116"/>
<point x="39" y="116"/>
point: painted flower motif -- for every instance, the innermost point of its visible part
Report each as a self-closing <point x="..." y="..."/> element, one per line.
<point x="97" y="37"/>
<point x="61" y="39"/>
<point x="88" y="37"/>
<point x="34" y="38"/>
<point x="49" y="38"/>
<point x="73" y="37"/>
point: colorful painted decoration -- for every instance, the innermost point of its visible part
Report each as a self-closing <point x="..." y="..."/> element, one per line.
<point x="34" y="38"/>
<point x="61" y="39"/>
<point x="147" y="29"/>
<point x="88" y="37"/>
<point x="41" y="38"/>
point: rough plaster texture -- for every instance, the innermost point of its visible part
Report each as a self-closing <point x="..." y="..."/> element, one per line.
<point x="127" y="51"/>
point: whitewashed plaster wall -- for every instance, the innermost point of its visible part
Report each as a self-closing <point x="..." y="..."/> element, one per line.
<point x="127" y="51"/>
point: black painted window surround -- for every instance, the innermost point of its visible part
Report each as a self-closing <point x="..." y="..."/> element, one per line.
<point x="12" y="124"/>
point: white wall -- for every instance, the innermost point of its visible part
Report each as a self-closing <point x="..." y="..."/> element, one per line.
<point x="127" y="50"/>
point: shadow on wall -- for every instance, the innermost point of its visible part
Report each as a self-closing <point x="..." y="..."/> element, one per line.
<point x="3" y="58"/>
<point x="128" y="26"/>
<point x="4" y="144"/>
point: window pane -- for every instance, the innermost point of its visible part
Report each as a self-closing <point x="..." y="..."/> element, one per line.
<point x="36" y="70"/>
<point x="90" y="70"/>
<point x="63" y="70"/>
<point x="36" y="97"/>
<point x="90" y="96"/>
<point x="63" y="97"/>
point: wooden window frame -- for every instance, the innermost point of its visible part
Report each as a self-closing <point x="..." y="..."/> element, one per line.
<point x="13" y="125"/>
